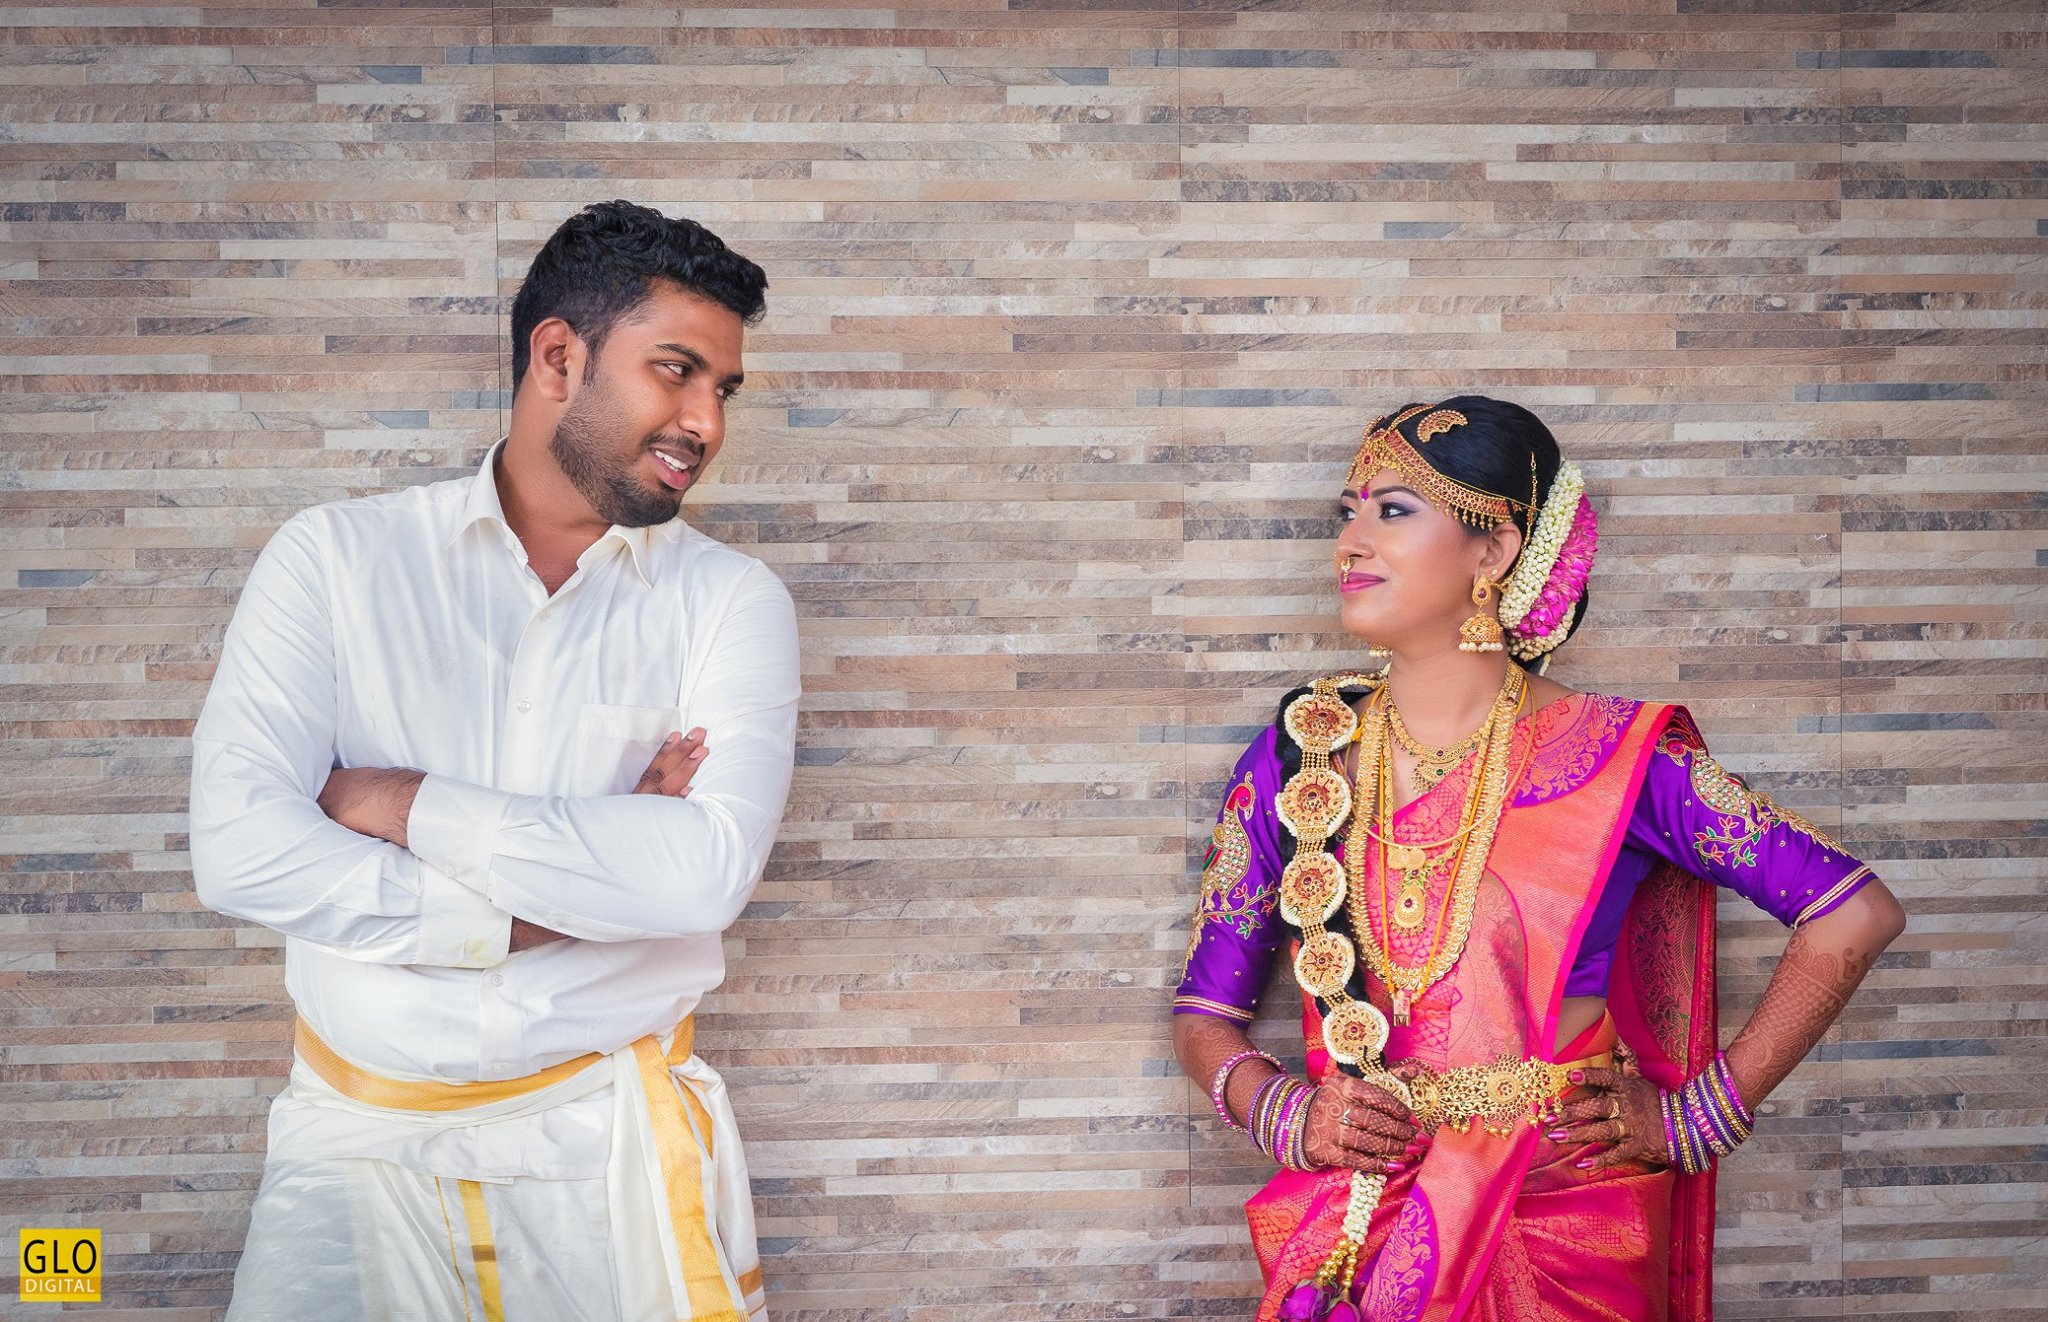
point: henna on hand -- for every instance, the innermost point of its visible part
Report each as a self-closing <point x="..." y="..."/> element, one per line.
<point x="1620" y="1112"/>
<point x="1353" y="1124"/>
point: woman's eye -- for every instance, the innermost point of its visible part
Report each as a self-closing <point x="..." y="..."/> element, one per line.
<point x="1346" y="514"/>
<point x="1392" y="511"/>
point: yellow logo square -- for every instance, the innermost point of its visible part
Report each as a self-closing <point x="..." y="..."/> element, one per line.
<point x="60" y="1266"/>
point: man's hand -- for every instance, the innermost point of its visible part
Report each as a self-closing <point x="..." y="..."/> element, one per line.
<point x="675" y="762"/>
<point x="373" y="801"/>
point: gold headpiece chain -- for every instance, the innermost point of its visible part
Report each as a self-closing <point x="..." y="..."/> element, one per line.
<point x="1385" y="447"/>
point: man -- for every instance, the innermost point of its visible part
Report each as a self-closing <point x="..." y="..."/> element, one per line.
<point x="445" y="755"/>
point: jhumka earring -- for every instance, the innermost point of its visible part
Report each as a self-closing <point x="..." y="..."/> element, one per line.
<point x="1481" y="632"/>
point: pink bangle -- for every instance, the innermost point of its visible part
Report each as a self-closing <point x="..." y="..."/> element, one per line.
<point x="1221" y="1082"/>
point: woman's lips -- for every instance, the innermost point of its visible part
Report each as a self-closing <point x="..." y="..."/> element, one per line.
<point x="1358" y="582"/>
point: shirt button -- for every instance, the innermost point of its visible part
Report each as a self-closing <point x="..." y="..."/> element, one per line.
<point x="497" y="979"/>
<point x="525" y="707"/>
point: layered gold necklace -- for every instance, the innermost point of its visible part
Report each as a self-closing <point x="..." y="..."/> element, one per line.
<point x="1462" y="853"/>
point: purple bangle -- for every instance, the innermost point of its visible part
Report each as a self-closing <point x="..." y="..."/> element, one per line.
<point x="1283" y="1110"/>
<point x="1695" y="1114"/>
<point x="1742" y="1111"/>
<point x="1712" y="1125"/>
<point x="1221" y="1084"/>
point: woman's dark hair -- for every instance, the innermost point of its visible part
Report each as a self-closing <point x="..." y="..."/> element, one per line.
<point x="602" y="263"/>
<point x="1490" y="452"/>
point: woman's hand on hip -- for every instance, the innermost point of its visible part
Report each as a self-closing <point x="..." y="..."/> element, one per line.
<point x="1619" y="1113"/>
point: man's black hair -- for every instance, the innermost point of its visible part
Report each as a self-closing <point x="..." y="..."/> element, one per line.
<point x="602" y="263"/>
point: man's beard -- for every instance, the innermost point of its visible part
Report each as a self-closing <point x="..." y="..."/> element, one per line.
<point x="584" y="448"/>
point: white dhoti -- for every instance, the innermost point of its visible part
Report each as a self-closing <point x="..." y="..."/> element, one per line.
<point x="609" y="1187"/>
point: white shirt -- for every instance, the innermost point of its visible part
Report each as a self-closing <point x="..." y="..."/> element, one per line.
<point x="406" y="630"/>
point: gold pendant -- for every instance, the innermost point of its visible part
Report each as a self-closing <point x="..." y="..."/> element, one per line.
<point x="1321" y="719"/>
<point x="1410" y="907"/>
<point x="1406" y="858"/>
<point x="1401" y="1004"/>
<point x="1313" y="803"/>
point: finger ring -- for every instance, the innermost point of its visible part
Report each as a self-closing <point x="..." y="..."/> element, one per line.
<point x="1345" y="1119"/>
<point x="1620" y="1130"/>
<point x="1614" y="1109"/>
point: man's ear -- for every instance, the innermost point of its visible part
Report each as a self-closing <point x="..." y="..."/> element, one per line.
<point x="554" y="359"/>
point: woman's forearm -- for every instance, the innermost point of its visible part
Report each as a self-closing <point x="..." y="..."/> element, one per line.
<point x="1822" y="965"/>
<point x="1202" y="1042"/>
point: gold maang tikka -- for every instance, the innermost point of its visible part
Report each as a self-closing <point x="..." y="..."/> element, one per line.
<point x="1385" y="447"/>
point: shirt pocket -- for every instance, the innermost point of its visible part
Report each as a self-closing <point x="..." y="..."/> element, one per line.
<point x="615" y="743"/>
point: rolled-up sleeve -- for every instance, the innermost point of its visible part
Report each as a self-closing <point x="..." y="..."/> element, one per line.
<point x="624" y="867"/>
<point x="262" y="849"/>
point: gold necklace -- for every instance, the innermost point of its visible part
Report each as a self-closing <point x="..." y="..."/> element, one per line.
<point x="1432" y="763"/>
<point x="1488" y="801"/>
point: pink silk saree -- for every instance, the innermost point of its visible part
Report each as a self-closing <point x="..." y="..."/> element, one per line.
<point x="1508" y="1229"/>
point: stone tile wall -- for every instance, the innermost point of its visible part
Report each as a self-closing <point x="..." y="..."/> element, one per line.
<point x="1077" y="309"/>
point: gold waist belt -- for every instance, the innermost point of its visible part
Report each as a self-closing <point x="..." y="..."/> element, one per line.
<point x="1497" y="1095"/>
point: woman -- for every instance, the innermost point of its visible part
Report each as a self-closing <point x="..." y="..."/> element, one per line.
<point x="1506" y="889"/>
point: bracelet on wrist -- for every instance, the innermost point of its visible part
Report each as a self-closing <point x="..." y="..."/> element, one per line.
<point x="1705" y="1118"/>
<point x="1219" y="1085"/>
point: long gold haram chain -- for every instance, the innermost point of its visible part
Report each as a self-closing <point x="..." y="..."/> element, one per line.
<point x="1406" y="984"/>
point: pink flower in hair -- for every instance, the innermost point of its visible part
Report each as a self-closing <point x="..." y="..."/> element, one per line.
<point x="1568" y="576"/>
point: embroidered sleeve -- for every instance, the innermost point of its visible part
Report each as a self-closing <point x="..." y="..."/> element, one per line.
<point x="1697" y="814"/>
<point x="1236" y="930"/>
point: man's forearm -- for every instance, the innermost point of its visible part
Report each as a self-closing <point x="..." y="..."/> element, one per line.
<point x="372" y="801"/>
<point x="377" y="801"/>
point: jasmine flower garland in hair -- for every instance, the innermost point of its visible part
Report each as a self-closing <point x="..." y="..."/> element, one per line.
<point x="1546" y="540"/>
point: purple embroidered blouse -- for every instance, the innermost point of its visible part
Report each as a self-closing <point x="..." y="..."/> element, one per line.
<point x="1690" y="813"/>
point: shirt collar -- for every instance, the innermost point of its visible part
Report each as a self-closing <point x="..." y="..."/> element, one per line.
<point x="481" y="504"/>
